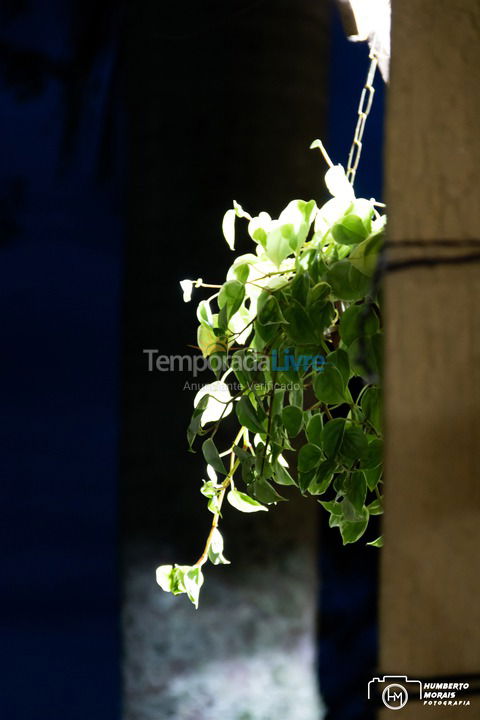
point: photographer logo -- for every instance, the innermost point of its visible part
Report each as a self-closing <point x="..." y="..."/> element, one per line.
<point x="394" y="690"/>
<point x="394" y="696"/>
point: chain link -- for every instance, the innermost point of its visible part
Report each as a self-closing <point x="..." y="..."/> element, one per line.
<point x="364" y="106"/>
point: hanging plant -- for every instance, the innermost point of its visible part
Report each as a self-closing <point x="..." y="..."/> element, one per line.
<point x="297" y="325"/>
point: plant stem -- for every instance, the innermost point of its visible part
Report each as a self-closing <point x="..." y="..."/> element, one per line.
<point x="204" y="556"/>
<point x="327" y="412"/>
<point x="233" y="467"/>
<point x="326" y="156"/>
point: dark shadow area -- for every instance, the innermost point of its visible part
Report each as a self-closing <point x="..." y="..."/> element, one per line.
<point x="61" y="245"/>
<point x="223" y="104"/>
<point x="220" y="109"/>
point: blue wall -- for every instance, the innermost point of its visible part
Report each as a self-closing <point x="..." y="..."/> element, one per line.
<point x="61" y="187"/>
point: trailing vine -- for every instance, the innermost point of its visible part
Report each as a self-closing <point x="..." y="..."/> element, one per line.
<point x="297" y="325"/>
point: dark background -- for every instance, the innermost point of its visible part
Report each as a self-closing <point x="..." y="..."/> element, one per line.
<point x="125" y="134"/>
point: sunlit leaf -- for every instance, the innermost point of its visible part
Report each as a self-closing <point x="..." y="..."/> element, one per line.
<point x="215" y="551"/>
<point x="243" y="502"/>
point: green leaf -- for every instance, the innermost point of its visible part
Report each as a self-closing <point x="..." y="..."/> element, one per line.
<point x="281" y="475"/>
<point x="314" y="429"/>
<point x="332" y="437"/>
<point x="210" y="490"/>
<point x="248" y="416"/>
<point x="339" y="358"/>
<point x="350" y="513"/>
<point x="228" y="228"/>
<point x="329" y="386"/>
<point x="304" y="479"/>
<point x="316" y="264"/>
<point x="278" y="244"/>
<point x="240" y="364"/>
<point x="374" y="454"/>
<point x="210" y="453"/>
<point x="333" y="507"/>
<point x="309" y="457"/>
<point x="228" y="223"/>
<point x="366" y="355"/>
<point x="371" y="406"/>
<point x="204" y="314"/>
<point x="242" y="272"/>
<point x="373" y="477"/>
<point x="231" y="296"/>
<point x="352" y="530"/>
<point x="247" y="469"/>
<point x="295" y="395"/>
<point x="178" y="579"/>
<point x="215" y="551"/>
<point x="347" y="282"/>
<point x="364" y="209"/>
<point x="278" y="396"/>
<point x="269" y="316"/>
<point x="321" y="316"/>
<point x="222" y="323"/>
<point x="241" y="453"/>
<point x="257" y="228"/>
<point x="244" y="503"/>
<point x="264" y="492"/>
<point x="208" y="341"/>
<point x="262" y="463"/>
<point x="377" y="543"/>
<point x="195" y="422"/>
<point x="193" y="581"/>
<point x="354" y="444"/>
<point x="291" y="375"/>
<point x="268" y="310"/>
<point x="299" y="288"/>
<point x="375" y="507"/>
<point x="356" y="321"/>
<point x="350" y="230"/>
<point x="339" y="482"/>
<point x="356" y="489"/>
<point x="298" y="215"/>
<point x="164" y="577"/>
<point x="292" y="418"/>
<point x="319" y="293"/>
<point x="322" y="478"/>
<point x="365" y="256"/>
<point x="300" y="328"/>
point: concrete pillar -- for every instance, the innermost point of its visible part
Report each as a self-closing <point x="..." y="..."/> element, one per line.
<point x="430" y="613"/>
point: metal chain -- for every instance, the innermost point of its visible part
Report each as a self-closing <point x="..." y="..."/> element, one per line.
<point x="364" y="106"/>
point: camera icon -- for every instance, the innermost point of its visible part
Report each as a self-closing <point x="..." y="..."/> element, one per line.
<point x="394" y="690"/>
